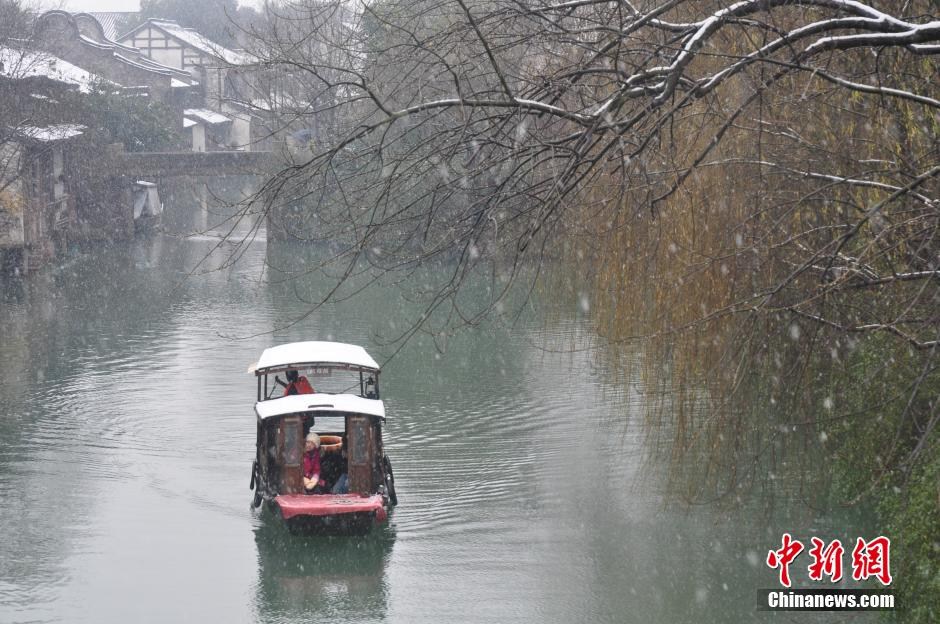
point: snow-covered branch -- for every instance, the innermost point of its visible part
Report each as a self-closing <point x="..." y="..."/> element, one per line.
<point x="448" y="118"/>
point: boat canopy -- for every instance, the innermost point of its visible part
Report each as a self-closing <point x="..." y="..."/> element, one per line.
<point x="319" y="402"/>
<point x="298" y="354"/>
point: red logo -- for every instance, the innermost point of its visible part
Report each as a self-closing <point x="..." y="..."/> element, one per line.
<point x="872" y="559"/>
<point x="826" y="561"/>
<point x="783" y="557"/>
<point x="869" y="559"/>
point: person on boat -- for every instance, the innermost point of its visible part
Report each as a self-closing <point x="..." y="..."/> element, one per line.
<point x="339" y="471"/>
<point x="342" y="483"/>
<point x="312" y="464"/>
<point x="298" y="384"/>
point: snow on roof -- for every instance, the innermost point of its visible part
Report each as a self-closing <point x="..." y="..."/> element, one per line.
<point x="205" y="115"/>
<point x="51" y="133"/>
<point x="315" y="352"/>
<point x="18" y="64"/>
<point x="105" y="45"/>
<point x="189" y="123"/>
<point x="176" y="83"/>
<point x="278" y="100"/>
<point x="93" y="42"/>
<point x="206" y="46"/>
<point x="152" y="65"/>
<point x="319" y="402"/>
<point x="144" y="63"/>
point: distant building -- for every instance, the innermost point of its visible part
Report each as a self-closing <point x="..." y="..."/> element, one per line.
<point x="176" y="66"/>
<point x="37" y="208"/>
<point x="227" y="75"/>
<point x="53" y="191"/>
<point x="81" y="40"/>
<point x="168" y="43"/>
<point x="210" y="130"/>
<point x="36" y="205"/>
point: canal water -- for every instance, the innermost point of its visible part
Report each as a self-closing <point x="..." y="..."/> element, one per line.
<point x="526" y="493"/>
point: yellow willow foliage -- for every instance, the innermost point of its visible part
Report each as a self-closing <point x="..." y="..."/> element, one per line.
<point x="12" y="202"/>
<point x="686" y="280"/>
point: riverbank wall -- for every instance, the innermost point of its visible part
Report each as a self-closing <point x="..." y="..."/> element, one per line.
<point x="55" y="196"/>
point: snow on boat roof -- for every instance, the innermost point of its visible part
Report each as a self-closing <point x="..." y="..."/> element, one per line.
<point x="319" y="402"/>
<point x="315" y="352"/>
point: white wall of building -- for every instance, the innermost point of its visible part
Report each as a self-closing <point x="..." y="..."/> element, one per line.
<point x="199" y="138"/>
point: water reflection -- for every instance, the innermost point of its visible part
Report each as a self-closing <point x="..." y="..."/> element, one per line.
<point x="209" y="206"/>
<point x="326" y="578"/>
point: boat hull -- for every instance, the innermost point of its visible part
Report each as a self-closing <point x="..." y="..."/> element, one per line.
<point x="331" y="514"/>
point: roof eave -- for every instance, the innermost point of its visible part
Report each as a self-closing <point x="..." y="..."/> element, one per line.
<point x="277" y="368"/>
<point x="321" y="403"/>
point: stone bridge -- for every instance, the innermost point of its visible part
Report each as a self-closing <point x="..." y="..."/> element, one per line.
<point x="150" y="165"/>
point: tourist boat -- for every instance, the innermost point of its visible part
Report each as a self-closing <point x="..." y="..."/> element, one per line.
<point x="342" y="406"/>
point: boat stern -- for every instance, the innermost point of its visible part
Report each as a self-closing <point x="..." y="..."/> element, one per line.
<point x="332" y="513"/>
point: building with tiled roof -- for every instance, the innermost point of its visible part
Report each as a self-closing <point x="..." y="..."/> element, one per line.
<point x="112" y="21"/>
<point x="228" y="75"/>
<point x="81" y="40"/>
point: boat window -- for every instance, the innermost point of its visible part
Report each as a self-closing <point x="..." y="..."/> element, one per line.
<point x="271" y="389"/>
<point x="323" y="379"/>
<point x="333" y="380"/>
<point x="270" y="440"/>
<point x="330" y="424"/>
